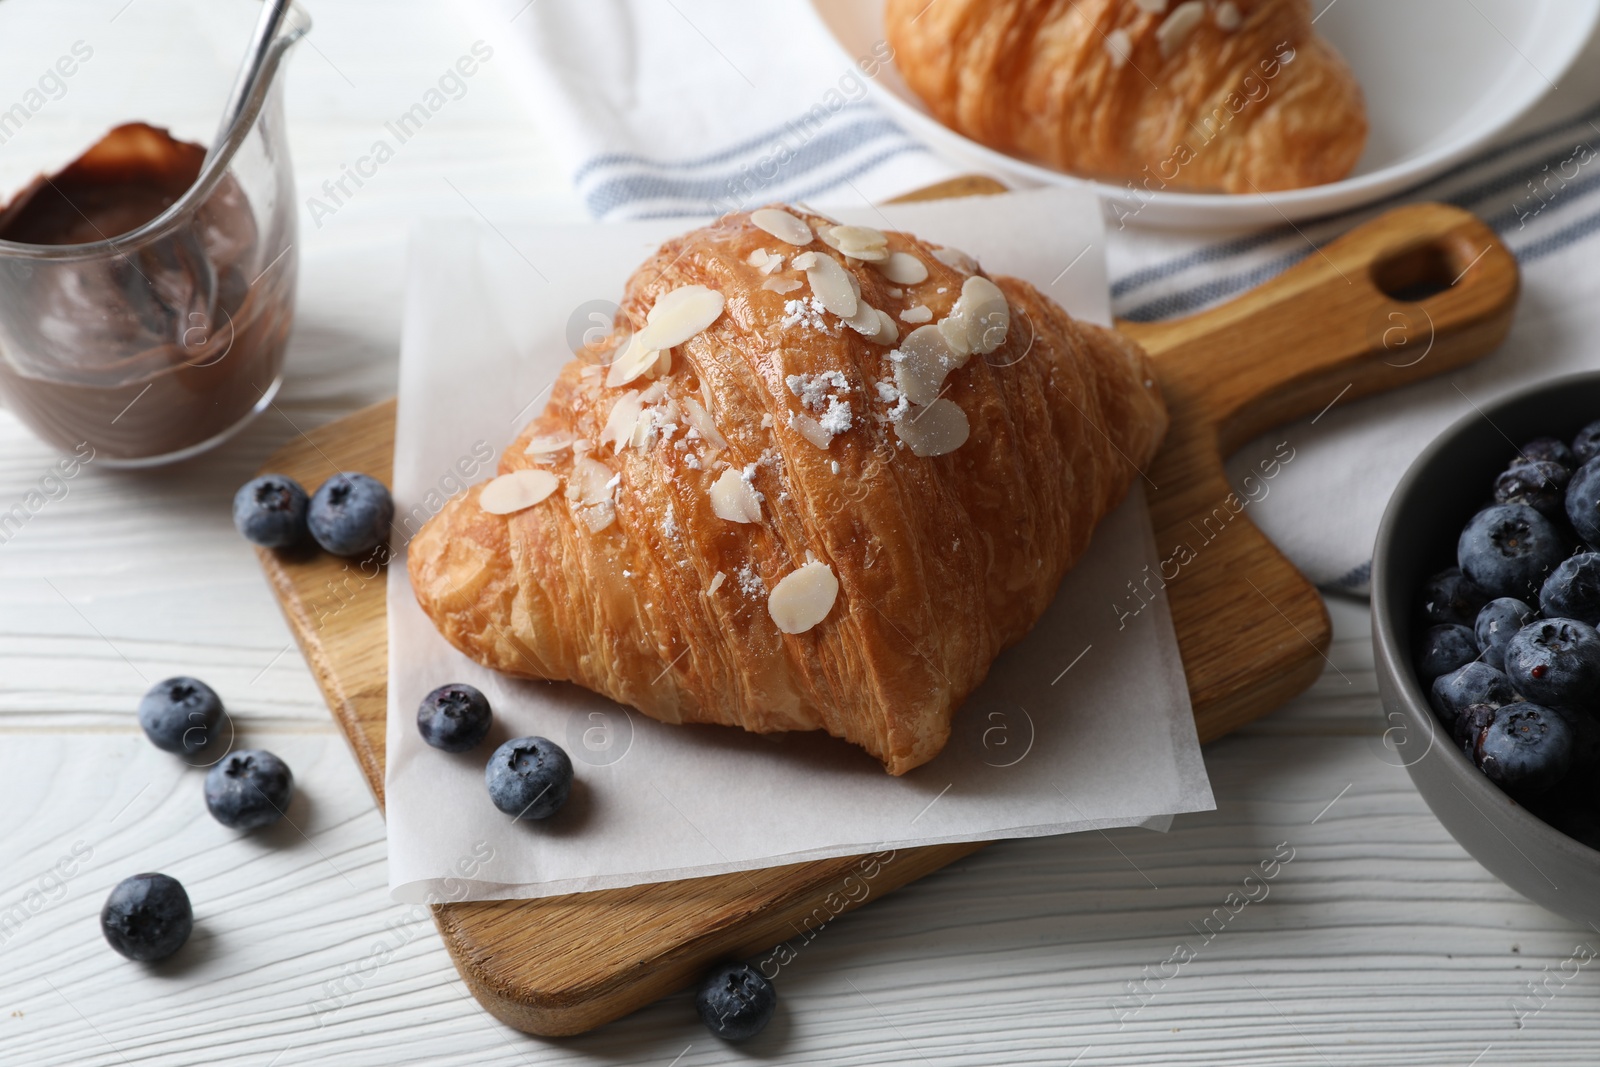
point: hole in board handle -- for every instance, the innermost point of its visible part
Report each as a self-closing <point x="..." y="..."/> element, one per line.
<point x="1414" y="274"/>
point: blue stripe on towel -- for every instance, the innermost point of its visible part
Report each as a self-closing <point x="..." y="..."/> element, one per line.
<point x="1212" y="290"/>
<point x="1466" y="197"/>
<point x="1355" y="578"/>
<point x="1240" y="246"/>
<point x="1555" y="242"/>
<point x="816" y="190"/>
<point x="751" y="145"/>
<point x="700" y="194"/>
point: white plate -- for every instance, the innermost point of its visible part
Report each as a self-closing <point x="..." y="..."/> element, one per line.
<point x="1441" y="77"/>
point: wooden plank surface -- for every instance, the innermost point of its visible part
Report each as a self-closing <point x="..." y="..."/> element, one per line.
<point x="1252" y="631"/>
<point x="1382" y="945"/>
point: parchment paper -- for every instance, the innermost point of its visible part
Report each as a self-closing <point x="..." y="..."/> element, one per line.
<point x="1084" y="725"/>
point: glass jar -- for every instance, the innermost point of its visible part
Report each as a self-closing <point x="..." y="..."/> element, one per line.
<point x="147" y="288"/>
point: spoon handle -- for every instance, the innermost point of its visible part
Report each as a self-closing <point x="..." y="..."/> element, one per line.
<point x="273" y="13"/>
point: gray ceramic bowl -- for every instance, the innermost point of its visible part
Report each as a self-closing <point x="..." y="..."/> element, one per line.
<point x="1444" y="487"/>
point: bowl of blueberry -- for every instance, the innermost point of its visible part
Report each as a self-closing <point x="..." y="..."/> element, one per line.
<point x="1485" y="603"/>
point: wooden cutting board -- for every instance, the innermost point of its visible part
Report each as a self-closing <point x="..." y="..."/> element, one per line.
<point x="1421" y="290"/>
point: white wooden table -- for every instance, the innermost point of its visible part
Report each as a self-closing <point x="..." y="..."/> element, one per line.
<point x="1380" y="942"/>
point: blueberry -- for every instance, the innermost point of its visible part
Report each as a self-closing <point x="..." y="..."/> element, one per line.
<point x="1473" y="718"/>
<point x="529" y="777"/>
<point x="1538" y="483"/>
<point x="147" y="917"/>
<point x="1507" y="549"/>
<point x="736" y="1001"/>
<point x="1497" y="623"/>
<point x="180" y="715"/>
<point x="1525" y="749"/>
<point x="1476" y="683"/>
<point x="454" y="718"/>
<point x="249" y="790"/>
<point x="1573" y="589"/>
<point x="1444" y="649"/>
<point x="1546" y="450"/>
<point x="1583" y="501"/>
<point x="1586" y="445"/>
<point x="271" y="511"/>
<point x="1450" y="596"/>
<point x="350" y="514"/>
<point x="1556" y="662"/>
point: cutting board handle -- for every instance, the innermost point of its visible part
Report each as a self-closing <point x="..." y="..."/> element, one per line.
<point x="1420" y="290"/>
<point x="1417" y="291"/>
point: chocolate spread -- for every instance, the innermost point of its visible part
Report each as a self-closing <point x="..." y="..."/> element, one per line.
<point x="149" y="348"/>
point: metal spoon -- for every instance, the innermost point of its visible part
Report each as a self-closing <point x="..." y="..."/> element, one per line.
<point x="273" y="13"/>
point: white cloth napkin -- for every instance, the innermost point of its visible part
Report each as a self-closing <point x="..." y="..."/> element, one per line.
<point x="699" y="107"/>
<point x="684" y="107"/>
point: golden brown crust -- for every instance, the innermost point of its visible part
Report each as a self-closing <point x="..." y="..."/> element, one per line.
<point x="1265" y="105"/>
<point x="941" y="561"/>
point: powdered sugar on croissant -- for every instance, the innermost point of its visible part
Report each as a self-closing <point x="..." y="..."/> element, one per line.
<point x="779" y="502"/>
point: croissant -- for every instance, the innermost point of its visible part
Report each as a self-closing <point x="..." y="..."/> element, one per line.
<point x="1241" y="95"/>
<point x="817" y="478"/>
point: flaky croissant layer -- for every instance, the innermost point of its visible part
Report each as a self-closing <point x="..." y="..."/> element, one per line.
<point x="1234" y="95"/>
<point x="818" y="478"/>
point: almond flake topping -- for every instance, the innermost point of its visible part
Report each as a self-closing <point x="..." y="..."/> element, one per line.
<point x="888" y="333"/>
<point x="858" y="242"/>
<point x="811" y="429"/>
<point x="1154" y="7"/>
<point x="680" y="315"/>
<point x="716" y="582"/>
<point x="630" y="363"/>
<point x="956" y="259"/>
<point x="548" y="444"/>
<point x="980" y="319"/>
<point x="1228" y="16"/>
<point x="920" y="313"/>
<point x="702" y="421"/>
<point x="734" y="498"/>
<point x="766" y="262"/>
<point x="599" y="516"/>
<point x="803" y="598"/>
<point x="1120" y="45"/>
<point x="620" y="423"/>
<point x="591" y="481"/>
<point x="873" y="324"/>
<point x="831" y="284"/>
<point x="921" y="363"/>
<point x="781" y="285"/>
<point x="782" y="225"/>
<point x="939" y="428"/>
<point x="903" y="268"/>
<point x="513" y="492"/>
<point x="1178" y="25"/>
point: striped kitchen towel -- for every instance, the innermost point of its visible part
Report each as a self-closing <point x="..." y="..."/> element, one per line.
<point x="699" y="107"/>
<point x="696" y="107"/>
